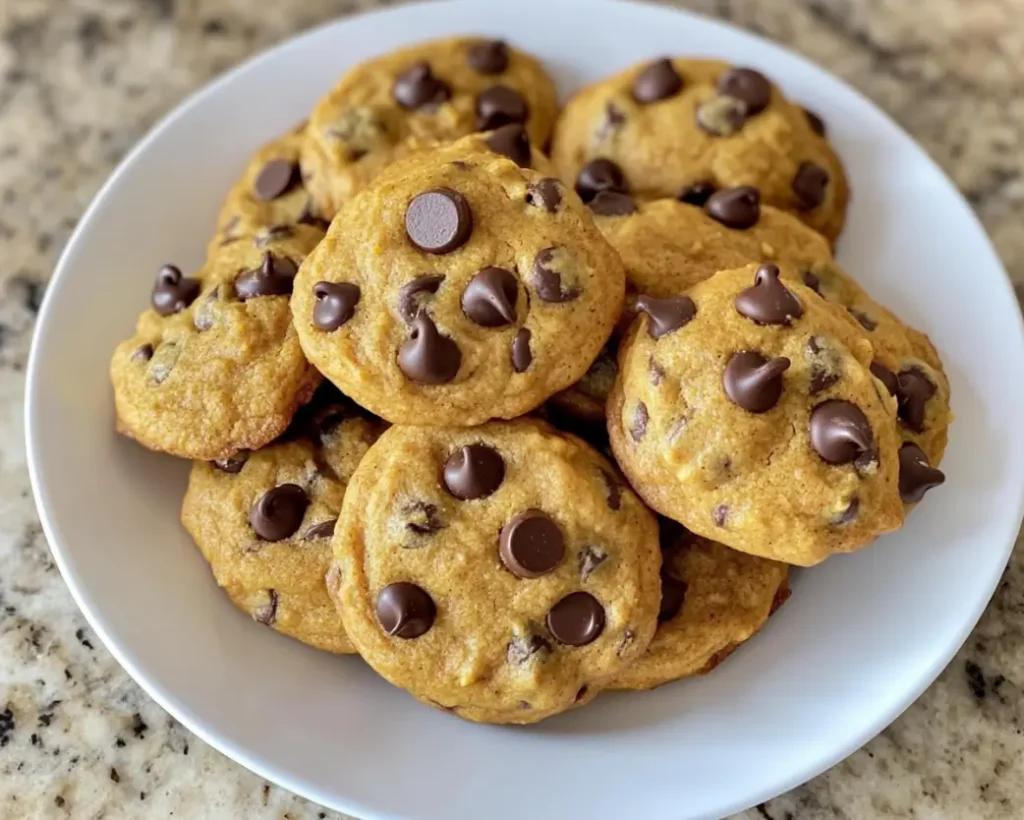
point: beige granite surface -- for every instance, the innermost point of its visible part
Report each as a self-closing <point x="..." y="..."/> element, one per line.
<point x="82" y="80"/>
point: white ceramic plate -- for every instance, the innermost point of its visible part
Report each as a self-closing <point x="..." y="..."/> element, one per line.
<point x="861" y="637"/>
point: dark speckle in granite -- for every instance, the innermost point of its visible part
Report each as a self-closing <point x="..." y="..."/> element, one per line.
<point x="139" y="727"/>
<point x="7" y="725"/>
<point x="80" y="634"/>
<point x="975" y="679"/>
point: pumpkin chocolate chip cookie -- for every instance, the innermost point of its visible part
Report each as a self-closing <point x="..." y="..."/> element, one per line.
<point x="503" y="573"/>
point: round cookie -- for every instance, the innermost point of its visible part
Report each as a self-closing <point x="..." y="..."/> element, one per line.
<point x="270" y="195"/>
<point x="747" y="411"/>
<point x="712" y="600"/>
<point x="457" y="292"/>
<point x="264" y="520"/>
<point x="685" y="128"/>
<point x="215" y="364"/>
<point x="503" y="573"/>
<point x="432" y="92"/>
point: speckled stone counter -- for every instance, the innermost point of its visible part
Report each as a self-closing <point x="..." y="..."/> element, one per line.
<point x="82" y="80"/>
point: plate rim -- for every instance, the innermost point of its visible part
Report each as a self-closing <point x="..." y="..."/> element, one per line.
<point x="172" y="703"/>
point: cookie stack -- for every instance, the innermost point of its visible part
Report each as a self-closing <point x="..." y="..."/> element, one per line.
<point x="520" y="429"/>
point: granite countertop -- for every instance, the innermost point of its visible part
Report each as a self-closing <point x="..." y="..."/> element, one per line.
<point x="82" y="80"/>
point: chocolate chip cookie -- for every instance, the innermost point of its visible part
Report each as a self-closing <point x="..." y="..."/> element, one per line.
<point x="686" y="128"/>
<point x="747" y="411"/>
<point x="458" y="291"/>
<point x="712" y="600"/>
<point x="264" y="520"/>
<point x="503" y="573"/>
<point x="270" y="195"/>
<point x="215" y="365"/>
<point x="432" y="92"/>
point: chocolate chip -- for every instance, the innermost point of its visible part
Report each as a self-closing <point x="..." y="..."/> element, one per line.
<point x="825" y="362"/>
<point x="673" y="594"/>
<point x="275" y="179"/>
<point x="612" y="203"/>
<point x="581" y="693"/>
<point x="413" y="294"/>
<point x="847" y="515"/>
<point x="522" y="356"/>
<point x="278" y="512"/>
<point x="405" y="610"/>
<point x="438" y="221"/>
<point x="600" y="175"/>
<point x="885" y="376"/>
<point x="768" y="301"/>
<point x="666" y="315"/>
<point x="655" y="373"/>
<point x="721" y="116"/>
<point x="590" y="559"/>
<point x="531" y="544"/>
<point x="522" y="648"/>
<point x="737" y="208"/>
<point x="143" y="353"/>
<point x="721" y="513"/>
<point x="812" y="281"/>
<point x="232" y="464"/>
<point x="638" y="426"/>
<point x="750" y="87"/>
<point x="613" y="118"/>
<point x="658" y="81"/>
<point x="628" y="636"/>
<point x="173" y="292"/>
<point x="500" y="105"/>
<point x="511" y="141"/>
<point x="423" y="518"/>
<point x="488" y="57"/>
<point x="548" y="281"/>
<point x="840" y="432"/>
<point x="697" y="194"/>
<point x="335" y="304"/>
<point x="865" y="321"/>
<point x="489" y="299"/>
<point x="473" y="471"/>
<point x="308" y="216"/>
<point x="325" y="529"/>
<point x="274" y="277"/>
<point x="810" y="184"/>
<point x="817" y="123"/>
<point x="613" y="489"/>
<point x="545" y="193"/>
<point x="426" y="356"/>
<point x="577" y="619"/>
<point x="917" y="476"/>
<point x="266" y="612"/>
<point x="417" y="87"/>
<point x="754" y="382"/>
<point x="913" y="390"/>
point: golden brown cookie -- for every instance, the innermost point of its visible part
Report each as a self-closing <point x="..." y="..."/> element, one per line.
<point x="747" y="411"/>
<point x="432" y="92"/>
<point x="686" y="127"/>
<point x="215" y="365"/>
<point x="458" y="291"/>
<point x="503" y="573"/>
<point x="712" y="599"/>
<point x="264" y="520"/>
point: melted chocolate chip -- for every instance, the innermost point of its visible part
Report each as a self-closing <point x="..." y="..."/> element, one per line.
<point x="817" y="123"/>
<point x="638" y="426"/>
<point x="768" y="301"/>
<point x="423" y="518"/>
<point x="865" y="321"/>
<point x="697" y="194"/>
<point x="547" y="281"/>
<point x="325" y="529"/>
<point x="748" y="86"/>
<point x="511" y="141"/>
<point x="840" y="432"/>
<point x="266" y="612"/>
<point x="531" y="544"/>
<point x="473" y="471"/>
<point x="613" y="203"/>
<point x="590" y="559"/>
<point x="272" y="233"/>
<point x="913" y="390"/>
<point x="736" y="208"/>
<point x="847" y="515"/>
<point x="673" y="594"/>
<point x="274" y="277"/>
<point x="577" y="619"/>
<point x="173" y="292"/>
<point x="754" y="382"/>
<point x="523" y="648"/>
<point x="658" y="81"/>
<point x="438" y="221"/>
<point x="600" y="175"/>
<point x="405" y="610"/>
<point x="232" y="464"/>
<point x="488" y="57"/>
<point x="278" y="513"/>
<point x="275" y="179"/>
<point x="143" y="353"/>
<point x="810" y="184"/>
<point x="721" y="116"/>
<point x="917" y="475"/>
<point x="545" y="193"/>
<point x="885" y="376"/>
<point x="666" y="315"/>
<point x="417" y="87"/>
<point x="613" y="489"/>
<point x="826" y="364"/>
<point x="489" y="299"/>
<point x="812" y="280"/>
<point x="335" y="304"/>
<point x="412" y="295"/>
<point x="522" y="356"/>
<point x="721" y="514"/>
<point x="500" y="105"/>
<point x="426" y="356"/>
